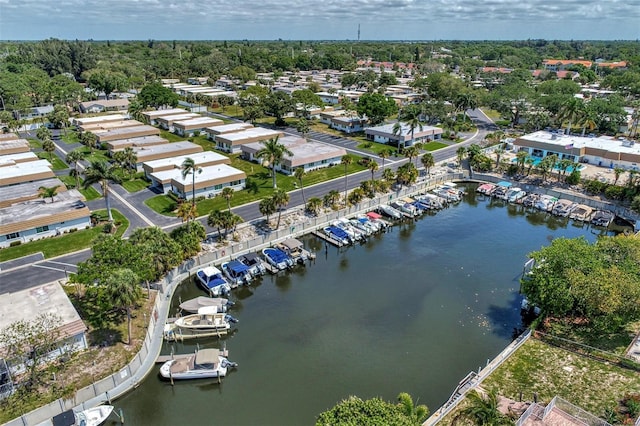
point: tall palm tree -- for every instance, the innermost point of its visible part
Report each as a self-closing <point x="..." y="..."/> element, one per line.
<point x="267" y="207"/>
<point x="418" y="413"/>
<point x="388" y="175"/>
<point x="331" y="198"/>
<point x="49" y="147"/>
<point x="302" y="126"/>
<point x="187" y="211"/>
<point x="384" y="154"/>
<point x="521" y="158"/>
<point x="347" y="160"/>
<point x="50" y="192"/>
<point x="74" y="157"/>
<point x="427" y="161"/>
<point x="130" y="159"/>
<point x="189" y="167"/>
<point x="101" y="172"/>
<point x="570" y="112"/>
<point x="412" y="152"/>
<point x="273" y="154"/>
<point x="460" y="153"/>
<point x="498" y="153"/>
<point x="227" y="194"/>
<point x="90" y="140"/>
<point x="482" y="410"/>
<point x="313" y="205"/>
<point x="43" y="133"/>
<point x="124" y="290"/>
<point x="299" y="173"/>
<point x="373" y="168"/>
<point x="280" y="199"/>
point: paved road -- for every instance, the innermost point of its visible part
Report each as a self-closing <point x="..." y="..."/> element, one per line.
<point x="139" y="215"/>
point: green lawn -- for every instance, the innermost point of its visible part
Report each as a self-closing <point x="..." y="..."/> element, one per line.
<point x="135" y="184"/>
<point x="65" y="243"/>
<point x="171" y="137"/>
<point x="89" y="193"/>
<point x="550" y="371"/>
<point x="96" y="155"/>
<point x="162" y="204"/>
<point x="70" y="137"/>
<point x="434" y="146"/>
<point x="491" y="113"/>
<point x="35" y="143"/>
<point x="55" y="161"/>
<point x="203" y="141"/>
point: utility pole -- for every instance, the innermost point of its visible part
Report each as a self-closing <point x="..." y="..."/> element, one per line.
<point x="358" y="32"/>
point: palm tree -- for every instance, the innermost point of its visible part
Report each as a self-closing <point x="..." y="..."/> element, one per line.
<point x="617" y="172"/>
<point x="130" y="158"/>
<point x="267" y="207"/>
<point x="280" y="199"/>
<point x="299" y="173"/>
<point x="215" y="219"/>
<point x="412" y="152"/>
<point x="74" y="158"/>
<point x="460" y="153"/>
<point x="187" y="211"/>
<point x="521" y="158"/>
<point x="89" y="139"/>
<point x="410" y="115"/>
<point x="347" y="160"/>
<point x="313" y="205"/>
<point x="124" y="291"/>
<point x="272" y="154"/>
<point x="43" y="133"/>
<point x="331" y="198"/>
<point x="388" y="175"/>
<point x="101" y="172"/>
<point x="384" y="154"/>
<point x="482" y="410"/>
<point x="189" y="167"/>
<point x="51" y="192"/>
<point x="570" y="112"/>
<point x="49" y="147"/>
<point x="498" y="153"/>
<point x="418" y="413"/>
<point x="427" y="161"/>
<point x="227" y="194"/>
<point x="373" y="168"/>
<point x="302" y="126"/>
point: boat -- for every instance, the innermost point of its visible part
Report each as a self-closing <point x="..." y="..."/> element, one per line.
<point x="253" y="261"/>
<point x="353" y="233"/>
<point x="203" y="364"/>
<point x="337" y="234"/>
<point x="485" y="188"/>
<point x="602" y="218"/>
<point x="432" y="200"/>
<point x="212" y="280"/>
<point x="530" y="199"/>
<point x="562" y="208"/>
<point x="378" y="220"/>
<point x="404" y="207"/>
<point x="545" y="202"/>
<point x="389" y="211"/>
<point x="205" y="323"/>
<point x="277" y="258"/>
<point x="581" y="213"/>
<point x="446" y="194"/>
<point x="236" y="272"/>
<point x="193" y="305"/>
<point x="295" y="249"/>
<point x="90" y="417"/>
<point x="360" y="226"/>
<point x="514" y="195"/>
<point x="368" y="223"/>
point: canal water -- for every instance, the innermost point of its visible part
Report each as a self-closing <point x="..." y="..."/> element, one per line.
<point x="411" y="310"/>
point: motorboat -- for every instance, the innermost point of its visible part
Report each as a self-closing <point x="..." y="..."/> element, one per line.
<point x="485" y="188"/>
<point x="205" y="323"/>
<point x="213" y="282"/>
<point x="360" y="226"/>
<point x="203" y="364"/>
<point x="432" y="200"/>
<point x="530" y="199"/>
<point x="237" y="273"/>
<point x="602" y="218"/>
<point x="405" y="207"/>
<point x="295" y="249"/>
<point x="253" y="261"/>
<point x="353" y="233"/>
<point x="447" y="194"/>
<point x="377" y="219"/>
<point x="193" y="305"/>
<point x="371" y="225"/>
<point x="563" y="208"/>
<point x="94" y="416"/>
<point x="277" y="258"/>
<point x="337" y="234"/>
<point x="514" y="195"/>
<point x="581" y="213"/>
<point x="545" y="202"/>
<point x="389" y="211"/>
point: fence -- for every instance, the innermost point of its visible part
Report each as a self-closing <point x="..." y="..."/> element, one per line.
<point x="127" y="378"/>
<point x="475" y="379"/>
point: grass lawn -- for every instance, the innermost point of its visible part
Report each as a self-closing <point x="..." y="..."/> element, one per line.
<point x="230" y="111"/>
<point x="96" y="155"/>
<point x="55" y="161"/>
<point x="70" y="137"/>
<point x="549" y="371"/>
<point x="491" y="113"/>
<point x="35" y="143"/>
<point x="616" y="343"/>
<point x="162" y="204"/>
<point x="89" y="193"/>
<point x="434" y="146"/>
<point x="65" y="243"/>
<point x="171" y="137"/>
<point x="205" y="143"/>
<point x="135" y="184"/>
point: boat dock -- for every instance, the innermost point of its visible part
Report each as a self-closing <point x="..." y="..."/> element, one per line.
<point x="164" y="358"/>
<point x="327" y="238"/>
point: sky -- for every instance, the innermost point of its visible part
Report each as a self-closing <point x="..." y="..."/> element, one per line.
<point x="320" y="20"/>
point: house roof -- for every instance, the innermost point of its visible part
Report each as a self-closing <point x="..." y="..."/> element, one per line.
<point x="210" y="176"/>
<point x="27" y="191"/>
<point x="105" y="103"/>
<point x="25" y="172"/>
<point x="227" y="128"/>
<point x="98" y="119"/>
<point x="127" y="132"/>
<point x="163" y="112"/>
<point x="567" y="62"/>
<point x="201" y="158"/>
<point x="157" y="152"/>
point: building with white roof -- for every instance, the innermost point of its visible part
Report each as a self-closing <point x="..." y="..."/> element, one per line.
<point x="153" y="169"/>
<point x="126" y="133"/>
<point x="95" y="127"/>
<point x="158" y="152"/>
<point x="600" y="151"/>
<point x="102" y="105"/>
<point x="348" y="124"/>
<point x="210" y="182"/>
<point x="20" y="192"/>
<point x="150" y="116"/>
<point x="166" y="121"/>
<point x="385" y="134"/>
<point x="195" y="125"/>
<point x="14" y="146"/>
<point x="20" y="157"/>
<point x="214" y="131"/>
<point x="306" y="155"/>
<point x="83" y="121"/>
<point x="232" y="142"/>
<point x="29" y="171"/>
<point x="120" y="144"/>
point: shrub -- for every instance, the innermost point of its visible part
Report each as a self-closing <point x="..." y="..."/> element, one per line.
<point x="15" y="243"/>
<point x="107" y="228"/>
<point x="72" y="230"/>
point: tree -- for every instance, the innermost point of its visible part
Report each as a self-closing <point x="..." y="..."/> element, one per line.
<point x="189" y="167"/>
<point x="90" y="140"/>
<point x="376" y="107"/>
<point x="410" y="116"/>
<point x="417" y="412"/>
<point x="346" y="161"/>
<point x="571" y="112"/>
<point x="187" y="211"/>
<point x="373" y="168"/>
<point x="49" y="147"/>
<point x="101" y="172"/>
<point x="123" y="289"/>
<point x="521" y="158"/>
<point x="384" y="154"/>
<point x="314" y="203"/>
<point x="307" y="98"/>
<point x="107" y="82"/>
<point x="460" y="153"/>
<point x="50" y="192"/>
<point x="482" y="410"/>
<point x="280" y="200"/>
<point x="156" y="95"/>
<point x="412" y="152"/>
<point x="375" y="411"/>
<point x="302" y="126"/>
<point x="59" y="117"/>
<point x="278" y="104"/>
<point x="32" y="341"/>
<point x="159" y="253"/>
<point x="272" y="154"/>
<point x="74" y="157"/>
<point x="331" y="199"/>
<point x="427" y="161"/>
<point x="43" y="133"/>
<point x="227" y="194"/>
<point x="267" y="207"/>
<point x="617" y="172"/>
<point x="299" y="173"/>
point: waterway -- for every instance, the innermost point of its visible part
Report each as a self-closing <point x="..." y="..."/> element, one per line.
<point x="412" y="310"/>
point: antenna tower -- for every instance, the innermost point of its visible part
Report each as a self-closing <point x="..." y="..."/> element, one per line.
<point x="358" y="32"/>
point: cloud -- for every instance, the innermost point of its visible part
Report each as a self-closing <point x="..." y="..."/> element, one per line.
<point x="327" y="19"/>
